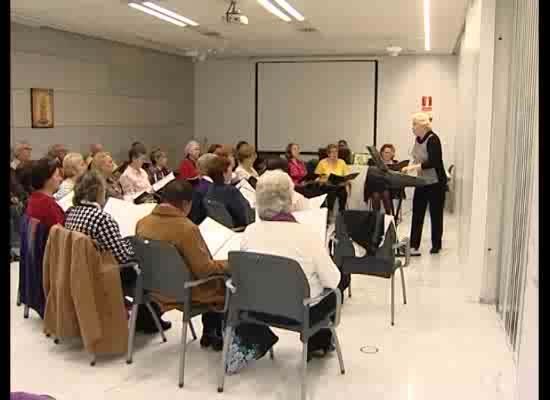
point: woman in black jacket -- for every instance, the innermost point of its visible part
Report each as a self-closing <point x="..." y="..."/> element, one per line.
<point x="427" y="161"/>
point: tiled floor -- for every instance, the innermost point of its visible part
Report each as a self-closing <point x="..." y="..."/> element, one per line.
<point x="444" y="346"/>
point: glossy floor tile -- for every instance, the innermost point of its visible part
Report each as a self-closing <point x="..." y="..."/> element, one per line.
<point x="444" y="345"/>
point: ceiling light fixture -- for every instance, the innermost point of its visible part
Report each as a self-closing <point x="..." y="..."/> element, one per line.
<point x="170" y="13"/>
<point x="156" y="14"/>
<point x="289" y="9"/>
<point x="427" y="45"/>
<point x="274" y="10"/>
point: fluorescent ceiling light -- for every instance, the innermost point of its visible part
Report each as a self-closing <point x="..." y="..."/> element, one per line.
<point x="274" y="10"/>
<point x="170" y="13"/>
<point x="156" y="14"/>
<point x="289" y="9"/>
<point x="427" y="46"/>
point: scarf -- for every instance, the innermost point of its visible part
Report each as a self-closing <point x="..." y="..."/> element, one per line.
<point x="282" y="217"/>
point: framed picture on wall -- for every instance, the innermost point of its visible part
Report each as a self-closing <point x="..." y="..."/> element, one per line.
<point x="42" y="108"/>
<point x="361" y="158"/>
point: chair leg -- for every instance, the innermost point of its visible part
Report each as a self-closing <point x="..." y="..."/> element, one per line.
<point x="304" y="371"/>
<point x="403" y="285"/>
<point x="349" y="289"/>
<point x="192" y="328"/>
<point x="338" y="351"/>
<point x="183" y="348"/>
<point x="92" y="363"/>
<point x="392" y="298"/>
<point x="18" y="297"/>
<point x="132" y="333"/>
<point x="26" y="312"/>
<point x="271" y="353"/>
<point x="221" y="374"/>
<point x="156" y="319"/>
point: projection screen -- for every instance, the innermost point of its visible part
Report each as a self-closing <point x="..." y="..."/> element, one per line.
<point x="314" y="103"/>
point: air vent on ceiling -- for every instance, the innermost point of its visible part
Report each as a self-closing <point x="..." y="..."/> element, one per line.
<point x="308" y="30"/>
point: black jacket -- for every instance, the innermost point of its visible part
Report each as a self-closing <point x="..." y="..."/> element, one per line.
<point x="233" y="200"/>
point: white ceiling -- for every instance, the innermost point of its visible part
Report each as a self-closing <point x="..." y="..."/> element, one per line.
<point x="345" y="27"/>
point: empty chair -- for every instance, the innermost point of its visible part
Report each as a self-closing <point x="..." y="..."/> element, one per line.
<point x="34" y="236"/>
<point x="367" y="228"/>
<point x="265" y="285"/>
<point x="164" y="271"/>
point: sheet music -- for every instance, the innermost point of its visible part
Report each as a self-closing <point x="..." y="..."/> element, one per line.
<point x="66" y="201"/>
<point x="127" y="214"/>
<point x="249" y="194"/>
<point x="163" y="182"/>
<point x="132" y="197"/>
<point x="233" y="244"/>
<point x="316" y="218"/>
<point x="316" y="202"/>
<point x="215" y="235"/>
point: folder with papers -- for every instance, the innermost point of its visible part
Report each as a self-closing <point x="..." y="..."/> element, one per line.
<point x="127" y="214"/>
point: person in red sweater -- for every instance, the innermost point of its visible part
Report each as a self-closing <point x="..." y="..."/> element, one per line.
<point x="296" y="167"/>
<point x="188" y="167"/>
<point x="46" y="178"/>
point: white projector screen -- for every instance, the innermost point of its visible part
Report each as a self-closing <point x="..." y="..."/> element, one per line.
<point x="315" y="103"/>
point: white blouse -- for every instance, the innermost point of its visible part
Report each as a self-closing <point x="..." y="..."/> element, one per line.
<point x="242" y="173"/>
<point x="66" y="187"/>
<point x="133" y="181"/>
<point x="294" y="241"/>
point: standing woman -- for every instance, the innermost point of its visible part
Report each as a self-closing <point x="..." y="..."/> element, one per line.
<point x="188" y="167"/>
<point x="427" y="161"/>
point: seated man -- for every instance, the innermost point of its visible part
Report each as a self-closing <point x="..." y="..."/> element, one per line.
<point x="169" y="222"/>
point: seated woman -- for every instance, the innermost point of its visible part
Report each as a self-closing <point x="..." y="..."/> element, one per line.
<point x="88" y="218"/>
<point x="138" y="146"/>
<point x="134" y="180"/>
<point x="46" y="178"/>
<point x="73" y="167"/>
<point x="203" y="163"/>
<point x="159" y="166"/>
<point x="296" y="167"/>
<point x="246" y="156"/>
<point x="273" y="234"/>
<point x="332" y="165"/>
<point x="225" y="193"/>
<point x="344" y="152"/>
<point x="103" y="164"/>
<point x="377" y="189"/>
<point x="188" y="167"/>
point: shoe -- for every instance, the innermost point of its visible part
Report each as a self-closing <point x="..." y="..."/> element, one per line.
<point x="215" y="341"/>
<point x="166" y="325"/>
<point x="435" y="250"/>
<point x="415" y="253"/>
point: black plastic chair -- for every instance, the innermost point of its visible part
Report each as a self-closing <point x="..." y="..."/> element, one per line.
<point x="276" y="286"/>
<point x="379" y="261"/>
<point x="218" y="212"/>
<point x="163" y="270"/>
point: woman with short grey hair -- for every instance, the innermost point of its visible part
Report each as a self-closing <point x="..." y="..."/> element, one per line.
<point x="188" y="167"/>
<point x="87" y="217"/>
<point x="278" y="233"/>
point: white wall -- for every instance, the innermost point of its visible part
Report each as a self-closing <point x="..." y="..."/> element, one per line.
<point x="224" y="99"/>
<point x="103" y="92"/>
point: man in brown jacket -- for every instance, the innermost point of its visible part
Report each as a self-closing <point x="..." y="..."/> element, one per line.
<point x="168" y="222"/>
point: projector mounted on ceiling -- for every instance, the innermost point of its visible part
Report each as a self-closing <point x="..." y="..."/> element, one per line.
<point x="234" y="16"/>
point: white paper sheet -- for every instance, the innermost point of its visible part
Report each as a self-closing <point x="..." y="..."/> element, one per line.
<point x="163" y="182"/>
<point x="316" y="202"/>
<point x="66" y="201"/>
<point x="127" y="214"/>
<point x="316" y="218"/>
<point x="249" y="194"/>
<point x="215" y="235"/>
<point x="233" y="244"/>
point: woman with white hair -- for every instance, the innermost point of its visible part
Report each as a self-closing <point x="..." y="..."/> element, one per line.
<point x="278" y="233"/>
<point x="73" y="167"/>
<point x="427" y="161"/>
<point x="188" y="167"/>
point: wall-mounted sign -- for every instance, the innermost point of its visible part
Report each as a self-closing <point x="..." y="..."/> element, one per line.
<point x="426" y="103"/>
